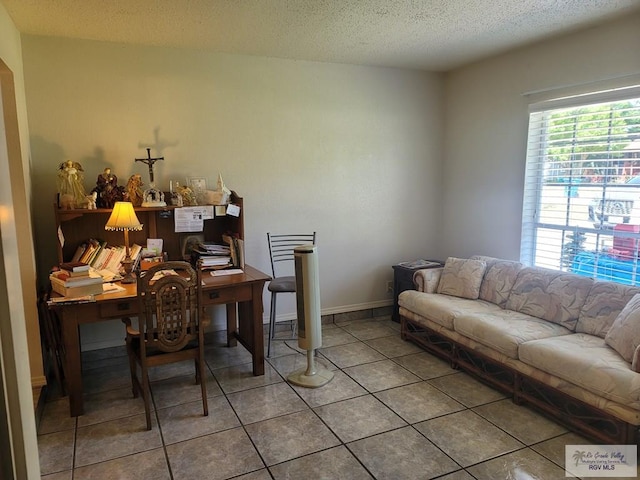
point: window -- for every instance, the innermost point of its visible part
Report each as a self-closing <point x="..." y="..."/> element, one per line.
<point x="581" y="210"/>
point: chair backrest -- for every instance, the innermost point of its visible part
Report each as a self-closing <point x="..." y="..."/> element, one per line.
<point x="281" y="250"/>
<point x="169" y="305"/>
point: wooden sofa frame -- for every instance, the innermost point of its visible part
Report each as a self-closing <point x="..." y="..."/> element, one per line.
<point x="566" y="410"/>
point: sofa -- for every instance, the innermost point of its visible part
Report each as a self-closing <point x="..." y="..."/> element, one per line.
<point x="560" y="342"/>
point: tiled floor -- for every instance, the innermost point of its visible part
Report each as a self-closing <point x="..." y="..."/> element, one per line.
<point x="392" y="411"/>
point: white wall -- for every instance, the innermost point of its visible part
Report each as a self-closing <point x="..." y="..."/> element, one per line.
<point x="19" y="336"/>
<point x="351" y="152"/>
<point x="486" y="129"/>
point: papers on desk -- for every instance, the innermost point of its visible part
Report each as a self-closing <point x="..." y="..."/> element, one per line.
<point x="112" y="288"/>
<point x="191" y="219"/>
<point x="228" y="271"/>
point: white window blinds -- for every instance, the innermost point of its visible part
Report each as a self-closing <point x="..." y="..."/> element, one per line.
<point x="581" y="209"/>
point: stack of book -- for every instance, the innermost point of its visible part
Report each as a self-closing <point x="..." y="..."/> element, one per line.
<point x="211" y="255"/>
<point x="76" y="279"/>
<point x="104" y="258"/>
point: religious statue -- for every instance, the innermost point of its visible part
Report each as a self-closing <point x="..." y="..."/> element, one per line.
<point x="70" y="187"/>
<point x="187" y="195"/>
<point x="134" y="192"/>
<point x="107" y="190"/>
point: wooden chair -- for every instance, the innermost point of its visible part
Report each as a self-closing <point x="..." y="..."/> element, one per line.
<point x="281" y="248"/>
<point x="169" y="327"/>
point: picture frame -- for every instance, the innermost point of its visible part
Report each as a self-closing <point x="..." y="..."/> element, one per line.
<point x="197" y="184"/>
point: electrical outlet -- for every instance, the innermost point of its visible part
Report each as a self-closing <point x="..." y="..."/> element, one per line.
<point x="389" y="286"/>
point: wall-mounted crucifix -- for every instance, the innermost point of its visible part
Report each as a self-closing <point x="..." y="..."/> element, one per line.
<point x="149" y="161"/>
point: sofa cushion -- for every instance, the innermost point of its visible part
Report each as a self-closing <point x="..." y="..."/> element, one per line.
<point x="498" y="280"/>
<point x="505" y="330"/>
<point x="605" y="301"/>
<point x="462" y="277"/>
<point x="550" y="295"/>
<point x="587" y="361"/>
<point x="624" y="334"/>
<point x="442" y="309"/>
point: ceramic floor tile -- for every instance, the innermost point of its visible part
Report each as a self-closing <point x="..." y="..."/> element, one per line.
<point x="381" y="375"/>
<point x="402" y="454"/>
<point x="393" y="346"/>
<point x="55" y="417"/>
<point x="467" y="437"/>
<point x="177" y="369"/>
<point x="554" y="448"/>
<point x="240" y="377"/>
<point x="104" y="379"/>
<point x="265" y="402"/>
<point x="282" y="346"/>
<point x="425" y="365"/>
<point x="186" y="421"/>
<point x="262" y="474"/>
<point x="176" y="390"/>
<point x="341" y="387"/>
<point x="214" y="457"/>
<point x="351" y="354"/>
<point x="56" y="451"/>
<point x="461" y="475"/>
<point x="288" y="364"/>
<point x="525" y="464"/>
<point x="109" y="405"/>
<point x="336" y="336"/>
<point x="347" y="318"/>
<point x="115" y="438"/>
<point x="369" y="330"/>
<point x="290" y="436"/>
<point x="359" y="417"/>
<point x="418" y="402"/>
<point x="220" y="356"/>
<point x="66" y="475"/>
<point x="519" y="421"/>
<point x="150" y="465"/>
<point x="334" y="464"/>
<point x="466" y="390"/>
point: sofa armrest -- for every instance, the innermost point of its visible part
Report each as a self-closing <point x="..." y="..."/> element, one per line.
<point x="426" y="280"/>
<point x="635" y="365"/>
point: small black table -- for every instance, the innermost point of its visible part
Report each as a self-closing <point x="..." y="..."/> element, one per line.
<point x="403" y="280"/>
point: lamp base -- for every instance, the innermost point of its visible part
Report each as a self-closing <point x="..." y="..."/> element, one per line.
<point x="129" y="276"/>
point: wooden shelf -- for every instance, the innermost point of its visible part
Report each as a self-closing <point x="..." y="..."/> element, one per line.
<point x="78" y="225"/>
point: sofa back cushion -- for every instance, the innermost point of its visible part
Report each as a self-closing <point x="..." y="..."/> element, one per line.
<point x="462" y="277"/>
<point x="551" y="295"/>
<point x="498" y="279"/>
<point x="624" y="334"/>
<point x="605" y="301"/>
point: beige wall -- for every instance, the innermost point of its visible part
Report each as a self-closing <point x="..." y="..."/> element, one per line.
<point x="486" y="129"/>
<point x="19" y="336"/>
<point x="351" y="152"/>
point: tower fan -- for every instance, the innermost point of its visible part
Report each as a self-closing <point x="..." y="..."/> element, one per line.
<point x="309" y="322"/>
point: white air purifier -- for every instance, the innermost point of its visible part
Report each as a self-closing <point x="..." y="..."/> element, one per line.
<point x="309" y="320"/>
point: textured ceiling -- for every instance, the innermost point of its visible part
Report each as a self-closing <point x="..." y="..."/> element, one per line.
<point x="423" y="34"/>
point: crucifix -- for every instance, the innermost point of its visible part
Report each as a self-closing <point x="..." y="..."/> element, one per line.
<point x="152" y="196"/>
<point x="149" y="161"/>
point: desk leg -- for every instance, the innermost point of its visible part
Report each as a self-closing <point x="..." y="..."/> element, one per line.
<point x="232" y="324"/>
<point x="250" y="327"/>
<point x="73" y="360"/>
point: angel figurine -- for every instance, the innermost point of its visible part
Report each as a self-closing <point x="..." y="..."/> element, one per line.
<point x="70" y="187"/>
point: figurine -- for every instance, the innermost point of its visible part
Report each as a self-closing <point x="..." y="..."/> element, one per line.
<point x="187" y="195"/>
<point x="134" y="193"/>
<point x="70" y="187"/>
<point x="91" y="201"/>
<point x="107" y="190"/>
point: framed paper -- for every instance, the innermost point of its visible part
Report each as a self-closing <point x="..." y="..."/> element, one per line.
<point x="197" y="184"/>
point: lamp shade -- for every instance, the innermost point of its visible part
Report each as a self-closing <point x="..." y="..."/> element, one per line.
<point x="123" y="217"/>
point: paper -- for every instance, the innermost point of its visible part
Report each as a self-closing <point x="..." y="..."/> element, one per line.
<point x="233" y="210"/>
<point x="60" y="236"/>
<point x="112" y="288"/>
<point x="228" y="271"/>
<point x="191" y="219"/>
<point x="155" y="244"/>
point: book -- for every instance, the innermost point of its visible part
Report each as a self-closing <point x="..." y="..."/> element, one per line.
<point x="61" y="288"/>
<point x="69" y="281"/>
<point x="75" y="267"/>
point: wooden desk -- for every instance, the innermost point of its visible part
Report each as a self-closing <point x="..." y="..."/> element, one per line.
<point x="242" y="294"/>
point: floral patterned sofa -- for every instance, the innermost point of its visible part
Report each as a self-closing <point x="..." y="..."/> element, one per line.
<point x="561" y="342"/>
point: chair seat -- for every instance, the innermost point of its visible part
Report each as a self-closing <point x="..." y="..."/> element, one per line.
<point x="282" y="284"/>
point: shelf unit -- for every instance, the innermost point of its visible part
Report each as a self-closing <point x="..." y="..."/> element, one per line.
<point x="78" y="225"/>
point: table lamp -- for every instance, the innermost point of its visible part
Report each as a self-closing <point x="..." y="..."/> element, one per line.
<point x="123" y="217"/>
